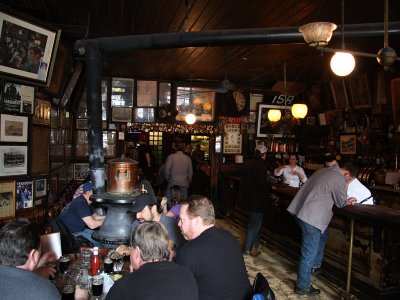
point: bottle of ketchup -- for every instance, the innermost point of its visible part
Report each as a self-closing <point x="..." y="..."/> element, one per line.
<point x="95" y="267"/>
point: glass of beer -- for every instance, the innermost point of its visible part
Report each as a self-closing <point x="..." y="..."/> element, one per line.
<point x="68" y="292"/>
<point x="108" y="265"/>
<point x="63" y="264"/>
<point x="97" y="285"/>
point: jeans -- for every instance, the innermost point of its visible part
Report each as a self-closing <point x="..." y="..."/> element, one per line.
<point x="87" y="233"/>
<point x="312" y="252"/>
<point x="253" y="230"/>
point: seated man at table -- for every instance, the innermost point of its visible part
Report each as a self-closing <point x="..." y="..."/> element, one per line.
<point x="154" y="276"/>
<point x="22" y="262"/>
<point x="146" y="209"/>
<point x="212" y="254"/>
<point x="79" y="217"/>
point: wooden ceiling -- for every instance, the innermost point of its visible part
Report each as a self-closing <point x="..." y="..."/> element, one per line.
<point x="248" y="65"/>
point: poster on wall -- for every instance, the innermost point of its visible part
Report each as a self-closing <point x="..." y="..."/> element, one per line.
<point x="7" y="199"/>
<point x="17" y="98"/>
<point x="24" y="194"/>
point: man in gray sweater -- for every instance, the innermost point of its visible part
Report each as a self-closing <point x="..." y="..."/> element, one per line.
<point x="312" y="208"/>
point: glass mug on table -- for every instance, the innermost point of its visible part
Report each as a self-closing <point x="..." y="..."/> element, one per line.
<point x="63" y="264"/>
<point x="97" y="285"/>
<point x="86" y="258"/>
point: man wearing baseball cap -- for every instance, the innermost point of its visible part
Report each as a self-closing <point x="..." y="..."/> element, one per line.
<point x="79" y="217"/>
<point x="146" y="209"/>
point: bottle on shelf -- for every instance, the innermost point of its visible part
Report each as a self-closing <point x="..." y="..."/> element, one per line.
<point x="95" y="266"/>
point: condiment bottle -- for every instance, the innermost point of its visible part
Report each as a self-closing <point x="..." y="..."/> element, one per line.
<point x="95" y="261"/>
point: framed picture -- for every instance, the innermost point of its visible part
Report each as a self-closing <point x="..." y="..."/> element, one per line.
<point x="13" y="128"/>
<point x="81" y="171"/>
<point x="359" y="92"/>
<point x="81" y="150"/>
<point x="35" y="49"/>
<point x="322" y="119"/>
<point x="13" y="160"/>
<point x="255" y="99"/>
<point x="7" y="199"/>
<point x="310" y="121"/>
<point x="264" y="126"/>
<point x="24" y="194"/>
<point x="339" y="93"/>
<point x="81" y="137"/>
<point x="17" y="98"/>
<point x="121" y="114"/>
<point x="81" y="124"/>
<point x="232" y="139"/>
<point x="146" y="93"/>
<point x="40" y="187"/>
<point x="348" y="144"/>
<point x="144" y="114"/>
<point x="199" y="101"/>
<point x="42" y="112"/>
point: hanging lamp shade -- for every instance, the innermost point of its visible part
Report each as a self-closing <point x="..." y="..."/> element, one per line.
<point x="190" y="119"/>
<point x="274" y="115"/>
<point x="299" y="110"/>
<point x="317" y="33"/>
<point x="342" y="63"/>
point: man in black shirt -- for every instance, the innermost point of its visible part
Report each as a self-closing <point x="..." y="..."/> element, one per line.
<point x="153" y="276"/>
<point x="212" y="254"/>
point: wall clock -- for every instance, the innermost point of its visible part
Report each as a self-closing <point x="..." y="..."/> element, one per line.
<point x="232" y="139"/>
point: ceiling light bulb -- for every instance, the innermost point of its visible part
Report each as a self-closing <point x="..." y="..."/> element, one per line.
<point x="274" y="115"/>
<point x="190" y="119"/>
<point x="299" y="110"/>
<point x="342" y="63"/>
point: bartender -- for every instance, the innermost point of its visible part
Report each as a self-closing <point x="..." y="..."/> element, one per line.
<point x="293" y="175"/>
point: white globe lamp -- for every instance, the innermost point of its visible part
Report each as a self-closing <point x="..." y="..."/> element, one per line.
<point x="342" y="63"/>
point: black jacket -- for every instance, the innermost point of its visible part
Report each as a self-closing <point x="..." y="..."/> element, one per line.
<point x="254" y="186"/>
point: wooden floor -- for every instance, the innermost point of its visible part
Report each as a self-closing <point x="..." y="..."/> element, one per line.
<point x="280" y="272"/>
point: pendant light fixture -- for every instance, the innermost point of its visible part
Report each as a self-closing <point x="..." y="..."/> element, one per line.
<point x="190" y="118"/>
<point x="342" y="63"/>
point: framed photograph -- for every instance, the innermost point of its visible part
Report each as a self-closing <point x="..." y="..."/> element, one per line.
<point x="24" y="194"/>
<point x="13" y="160"/>
<point x="339" y="93"/>
<point x="264" y="126"/>
<point x="146" y="93"/>
<point x="348" y="144"/>
<point x="199" y="101"/>
<point x="81" y="171"/>
<point x="35" y="49"/>
<point x="7" y="199"/>
<point x="144" y="114"/>
<point x="359" y="92"/>
<point x="42" y="112"/>
<point x="17" y="98"/>
<point x="121" y="114"/>
<point x="81" y="124"/>
<point x="13" y="129"/>
<point x="40" y="187"/>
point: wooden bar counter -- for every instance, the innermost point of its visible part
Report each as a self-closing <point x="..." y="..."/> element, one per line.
<point x="376" y="243"/>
